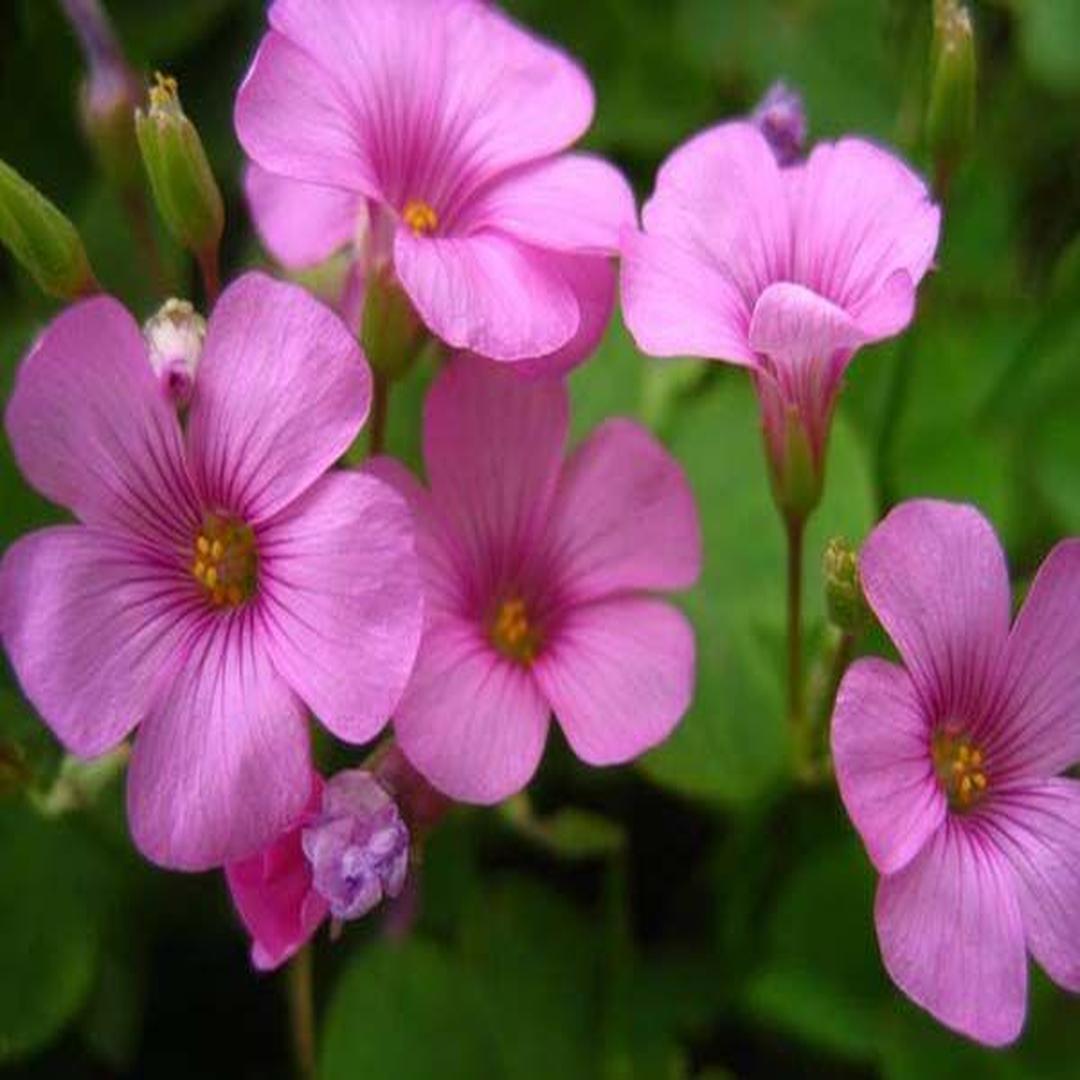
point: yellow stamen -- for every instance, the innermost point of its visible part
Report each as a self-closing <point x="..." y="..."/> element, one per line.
<point x="959" y="766"/>
<point x="513" y="634"/>
<point x="225" y="561"/>
<point x="420" y="217"/>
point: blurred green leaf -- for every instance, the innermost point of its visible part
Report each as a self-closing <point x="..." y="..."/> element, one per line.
<point x="570" y="832"/>
<point x="733" y="744"/>
<point x="1050" y="37"/>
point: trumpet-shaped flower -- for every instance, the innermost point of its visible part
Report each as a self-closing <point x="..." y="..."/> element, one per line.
<point x="950" y="767"/>
<point x="538" y="574"/>
<point x="431" y="133"/>
<point x="784" y="270"/>
<point x="220" y="578"/>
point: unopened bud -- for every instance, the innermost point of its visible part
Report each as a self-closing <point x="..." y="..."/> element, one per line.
<point x="844" y="598"/>
<point x="175" y="337"/>
<point x="357" y="845"/>
<point x="781" y="118"/>
<point x="950" y="117"/>
<point x="186" y="194"/>
<point x="42" y="239"/>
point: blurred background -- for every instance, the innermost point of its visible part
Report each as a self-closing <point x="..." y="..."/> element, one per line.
<point x="699" y="915"/>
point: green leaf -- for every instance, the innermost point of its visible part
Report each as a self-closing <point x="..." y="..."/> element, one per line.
<point x="50" y="911"/>
<point x="733" y="745"/>
<point x="1050" y="38"/>
<point x="569" y="833"/>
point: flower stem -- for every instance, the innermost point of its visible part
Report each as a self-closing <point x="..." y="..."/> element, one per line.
<point x="796" y="715"/>
<point x="211" y="274"/>
<point x="302" y="1012"/>
<point x="380" y="404"/>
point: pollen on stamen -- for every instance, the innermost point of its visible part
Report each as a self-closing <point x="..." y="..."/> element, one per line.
<point x="420" y="217"/>
<point x="225" y="562"/>
<point x="959" y="765"/>
<point x="512" y="632"/>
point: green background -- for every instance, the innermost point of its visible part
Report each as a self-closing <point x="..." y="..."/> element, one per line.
<point x="699" y="915"/>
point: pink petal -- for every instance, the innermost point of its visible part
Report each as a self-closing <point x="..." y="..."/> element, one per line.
<point x="573" y="202"/>
<point x="624" y="516"/>
<point x="881" y="751"/>
<point x="619" y="676"/>
<point x="273" y="895"/>
<point x="493" y="447"/>
<point x="722" y="197"/>
<point x="592" y="280"/>
<point x="487" y="293"/>
<point x="935" y="576"/>
<point x="92" y="430"/>
<point x="677" y="303"/>
<point x="952" y="937"/>
<point x="293" y="119"/>
<point x="1039" y="728"/>
<point x="441" y="92"/>
<point x="222" y="766"/>
<point x="92" y="622"/>
<point x="342" y="600"/>
<point x="798" y="329"/>
<point x="1038" y="827"/>
<point x="300" y="224"/>
<point x="859" y="215"/>
<point x="282" y="392"/>
<point x="472" y="723"/>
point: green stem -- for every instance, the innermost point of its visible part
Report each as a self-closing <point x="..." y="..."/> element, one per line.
<point x="302" y="1012"/>
<point x="795" y="529"/>
<point x="380" y="404"/>
<point x="211" y="274"/>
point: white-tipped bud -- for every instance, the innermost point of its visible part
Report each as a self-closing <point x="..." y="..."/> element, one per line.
<point x="175" y="337"/>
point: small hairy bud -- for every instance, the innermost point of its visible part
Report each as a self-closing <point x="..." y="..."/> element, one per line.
<point x="843" y="589"/>
<point x="175" y="337"/>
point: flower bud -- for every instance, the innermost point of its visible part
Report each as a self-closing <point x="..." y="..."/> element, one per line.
<point x="186" y="194"/>
<point x="391" y="332"/>
<point x="844" y="598"/>
<point x="42" y="239"/>
<point x="175" y="337"/>
<point x="950" y="117"/>
<point x="358" y="845"/>
<point x="781" y="118"/>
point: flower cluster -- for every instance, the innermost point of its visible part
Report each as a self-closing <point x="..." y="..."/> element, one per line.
<point x="232" y="571"/>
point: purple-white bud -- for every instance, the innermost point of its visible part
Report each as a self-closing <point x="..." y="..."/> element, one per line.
<point x="175" y="337"/>
<point x="781" y="118"/>
<point x="357" y="845"/>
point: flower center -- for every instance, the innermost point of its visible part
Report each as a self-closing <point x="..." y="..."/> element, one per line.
<point x="225" y="562"/>
<point x="420" y="217"/>
<point x="513" y="634"/>
<point x="960" y="767"/>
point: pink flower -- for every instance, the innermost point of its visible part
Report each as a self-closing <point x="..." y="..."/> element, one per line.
<point x="345" y="853"/>
<point x="786" y="271"/>
<point x="537" y="572"/>
<point x="220" y="579"/>
<point x="431" y="133"/>
<point x="949" y="767"/>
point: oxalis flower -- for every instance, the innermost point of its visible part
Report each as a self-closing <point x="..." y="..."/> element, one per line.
<point x="220" y="578"/>
<point x="346" y="852"/>
<point x="537" y="572"/>
<point x="949" y="767"/>
<point x="430" y="134"/>
<point x="786" y="271"/>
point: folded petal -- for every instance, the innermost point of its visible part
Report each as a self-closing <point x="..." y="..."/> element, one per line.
<point x="677" y="303"/>
<point x="952" y="938"/>
<point x="273" y="894"/>
<point x="342" y="600"/>
<point x="573" y="202"/>
<point x="593" y="281"/>
<point x="295" y="120"/>
<point x="92" y="622"/>
<point x="934" y="574"/>
<point x="1039" y="727"/>
<point x="282" y="392"/>
<point x="722" y="196"/>
<point x="619" y="675"/>
<point x="441" y="89"/>
<point x="92" y="430"/>
<point x="860" y="215"/>
<point x="493" y="447"/>
<point x="300" y="224"/>
<point x="881" y="751"/>
<point x="800" y="330"/>
<point x="487" y="293"/>
<point x="1037" y="825"/>
<point x="222" y="766"/>
<point x="624" y="516"/>
<point x="472" y="723"/>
